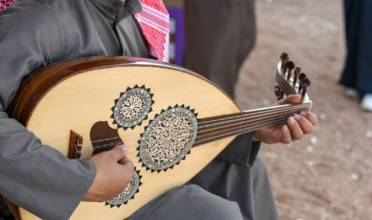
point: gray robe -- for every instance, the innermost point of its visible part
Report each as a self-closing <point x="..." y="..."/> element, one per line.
<point x="34" y="33"/>
<point x="219" y="36"/>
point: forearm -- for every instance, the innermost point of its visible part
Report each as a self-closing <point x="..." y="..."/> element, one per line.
<point x="39" y="178"/>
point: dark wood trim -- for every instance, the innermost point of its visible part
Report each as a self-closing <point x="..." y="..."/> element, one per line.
<point x="29" y="82"/>
<point x="39" y="83"/>
<point x="210" y="120"/>
<point x="13" y="208"/>
<point x="216" y="130"/>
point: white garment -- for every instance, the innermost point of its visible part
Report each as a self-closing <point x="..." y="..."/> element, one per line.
<point x="366" y="103"/>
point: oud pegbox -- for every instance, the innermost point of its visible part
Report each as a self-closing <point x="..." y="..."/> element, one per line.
<point x="288" y="84"/>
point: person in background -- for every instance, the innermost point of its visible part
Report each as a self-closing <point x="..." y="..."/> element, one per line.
<point x="357" y="74"/>
<point x="219" y="36"/>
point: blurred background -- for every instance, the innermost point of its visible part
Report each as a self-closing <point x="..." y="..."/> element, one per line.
<point x="326" y="174"/>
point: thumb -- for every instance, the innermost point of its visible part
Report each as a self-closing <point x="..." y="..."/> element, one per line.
<point x="290" y="99"/>
<point x="127" y="164"/>
<point x="119" y="152"/>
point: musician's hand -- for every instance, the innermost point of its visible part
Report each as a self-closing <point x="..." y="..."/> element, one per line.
<point x="114" y="172"/>
<point x="294" y="129"/>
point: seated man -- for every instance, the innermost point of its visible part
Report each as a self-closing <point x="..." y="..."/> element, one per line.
<point x="34" y="33"/>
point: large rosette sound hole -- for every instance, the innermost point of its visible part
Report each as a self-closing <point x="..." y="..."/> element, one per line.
<point x="130" y="190"/>
<point x="132" y="107"/>
<point x="168" y="138"/>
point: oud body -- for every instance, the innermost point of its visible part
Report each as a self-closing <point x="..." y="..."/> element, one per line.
<point x="84" y="106"/>
<point x="75" y="95"/>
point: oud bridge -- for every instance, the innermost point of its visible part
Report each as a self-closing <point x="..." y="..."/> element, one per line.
<point x="102" y="136"/>
<point x="75" y="145"/>
<point x="76" y="152"/>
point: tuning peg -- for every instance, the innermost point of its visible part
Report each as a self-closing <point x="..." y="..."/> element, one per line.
<point x="283" y="57"/>
<point x="278" y="92"/>
<point x="305" y="82"/>
<point x="296" y="73"/>
<point x="286" y="60"/>
<point x="281" y="94"/>
<point x="300" y="77"/>
<point x="290" y="65"/>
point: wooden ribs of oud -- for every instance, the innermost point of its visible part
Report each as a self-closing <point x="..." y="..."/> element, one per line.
<point x="35" y="86"/>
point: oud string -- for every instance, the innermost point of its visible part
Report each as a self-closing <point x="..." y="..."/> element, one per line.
<point x="245" y="130"/>
<point x="264" y="122"/>
<point x="253" y="117"/>
<point x="220" y="137"/>
<point x="285" y="114"/>
<point x="199" y="133"/>
<point x="248" y="115"/>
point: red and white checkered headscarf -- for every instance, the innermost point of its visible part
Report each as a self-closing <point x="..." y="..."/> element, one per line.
<point x="5" y="3"/>
<point x="154" y="21"/>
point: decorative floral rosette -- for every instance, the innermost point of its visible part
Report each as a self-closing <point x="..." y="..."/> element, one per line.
<point x="168" y="138"/>
<point x="130" y="190"/>
<point x="132" y="107"/>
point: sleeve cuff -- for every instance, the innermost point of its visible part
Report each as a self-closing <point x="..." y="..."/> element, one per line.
<point x="242" y="150"/>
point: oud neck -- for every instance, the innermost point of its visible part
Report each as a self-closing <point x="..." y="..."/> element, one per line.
<point x="220" y="127"/>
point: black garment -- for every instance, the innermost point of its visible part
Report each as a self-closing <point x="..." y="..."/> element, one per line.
<point x="358" y="68"/>
<point x="5" y="213"/>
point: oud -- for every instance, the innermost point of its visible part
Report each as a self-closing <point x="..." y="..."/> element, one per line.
<point x="173" y="120"/>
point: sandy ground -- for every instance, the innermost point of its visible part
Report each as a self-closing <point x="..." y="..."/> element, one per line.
<point x="326" y="174"/>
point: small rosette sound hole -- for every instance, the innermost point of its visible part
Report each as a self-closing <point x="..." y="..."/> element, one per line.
<point x="130" y="190"/>
<point x="132" y="107"/>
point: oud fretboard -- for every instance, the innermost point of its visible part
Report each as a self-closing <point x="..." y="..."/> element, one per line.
<point x="220" y="127"/>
